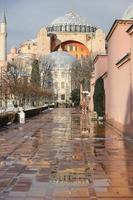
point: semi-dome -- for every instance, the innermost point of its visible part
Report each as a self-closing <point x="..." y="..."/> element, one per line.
<point x="128" y="14"/>
<point x="60" y="59"/>
<point x="71" y="22"/>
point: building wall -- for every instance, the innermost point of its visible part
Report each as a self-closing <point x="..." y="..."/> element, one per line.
<point x="118" y="78"/>
<point x="43" y="43"/>
<point x="91" y="43"/>
<point x="28" y="48"/>
<point x="100" y="66"/>
<point x="62" y="76"/>
<point x="118" y="82"/>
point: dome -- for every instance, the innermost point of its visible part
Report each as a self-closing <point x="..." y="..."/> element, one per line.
<point x="71" y="22"/>
<point x="70" y="18"/>
<point x="60" y="59"/>
<point x="128" y="14"/>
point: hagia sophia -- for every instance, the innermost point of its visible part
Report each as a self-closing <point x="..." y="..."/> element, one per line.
<point x="70" y="32"/>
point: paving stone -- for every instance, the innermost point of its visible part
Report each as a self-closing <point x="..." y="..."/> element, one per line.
<point x="61" y="155"/>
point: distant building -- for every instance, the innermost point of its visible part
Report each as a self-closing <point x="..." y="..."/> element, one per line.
<point x="70" y="34"/>
<point x="60" y="80"/>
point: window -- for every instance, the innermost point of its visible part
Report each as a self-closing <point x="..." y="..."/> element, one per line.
<point x="65" y="48"/>
<point x="88" y="29"/>
<point x="82" y="56"/>
<point x="54" y="28"/>
<point x="63" y="97"/>
<point x="62" y="74"/>
<point x="65" y="27"/>
<point x="68" y="48"/>
<point x="61" y="28"/>
<point x="74" y="48"/>
<point x="58" y="28"/>
<point x="55" y="74"/>
<point x="76" y="55"/>
<point x="76" y="28"/>
<point x="71" y="48"/>
<point x="56" y="85"/>
<point x="62" y="85"/>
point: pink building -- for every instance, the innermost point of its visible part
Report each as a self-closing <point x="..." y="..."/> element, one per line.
<point x="116" y="69"/>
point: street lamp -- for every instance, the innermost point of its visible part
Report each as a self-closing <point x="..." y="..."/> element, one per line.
<point x="85" y="93"/>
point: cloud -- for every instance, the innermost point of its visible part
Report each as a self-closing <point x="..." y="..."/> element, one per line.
<point x="26" y="17"/>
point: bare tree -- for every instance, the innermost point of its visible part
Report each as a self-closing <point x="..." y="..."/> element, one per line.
<point x="20" y="89"/>
<point x="46" y="65"/>
<point x="81" y="72"/>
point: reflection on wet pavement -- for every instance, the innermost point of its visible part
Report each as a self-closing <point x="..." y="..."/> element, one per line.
<point x="63" y="155"/>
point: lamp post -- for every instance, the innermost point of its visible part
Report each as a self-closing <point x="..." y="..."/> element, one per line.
<point x="84" y="101"/>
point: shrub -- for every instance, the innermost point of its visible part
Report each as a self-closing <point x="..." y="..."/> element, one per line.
<point x="98" y="97"/>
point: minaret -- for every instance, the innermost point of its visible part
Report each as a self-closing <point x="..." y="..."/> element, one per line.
<point x="3" y="38"/>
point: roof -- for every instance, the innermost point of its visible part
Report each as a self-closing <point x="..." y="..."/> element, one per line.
<point x="60" y="59"/>
<point x="3" y="18"/>
<point x="99" y="55"/>
<point x="116" y="22"/>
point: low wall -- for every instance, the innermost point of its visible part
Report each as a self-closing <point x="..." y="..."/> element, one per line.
<point x="10" y="117"/>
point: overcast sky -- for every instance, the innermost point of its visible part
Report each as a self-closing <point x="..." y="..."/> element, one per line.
<point x="26" y="17"/>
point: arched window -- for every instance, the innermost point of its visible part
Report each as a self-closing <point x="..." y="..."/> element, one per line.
<point x="61" y="28"/>
<point x="76" y="28"/>
<point x="65" y="27"/>
<point x="80" y="28"/>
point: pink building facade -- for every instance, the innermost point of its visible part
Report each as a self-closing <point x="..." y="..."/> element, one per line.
<point x="116" y="69"/>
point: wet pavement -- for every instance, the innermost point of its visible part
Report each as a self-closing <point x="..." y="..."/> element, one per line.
<point x="63" y="155"/>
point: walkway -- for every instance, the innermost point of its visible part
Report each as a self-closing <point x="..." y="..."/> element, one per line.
<point x="61" y="155"/>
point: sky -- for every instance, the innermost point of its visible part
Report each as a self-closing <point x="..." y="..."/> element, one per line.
<point x="26" y="17"/>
